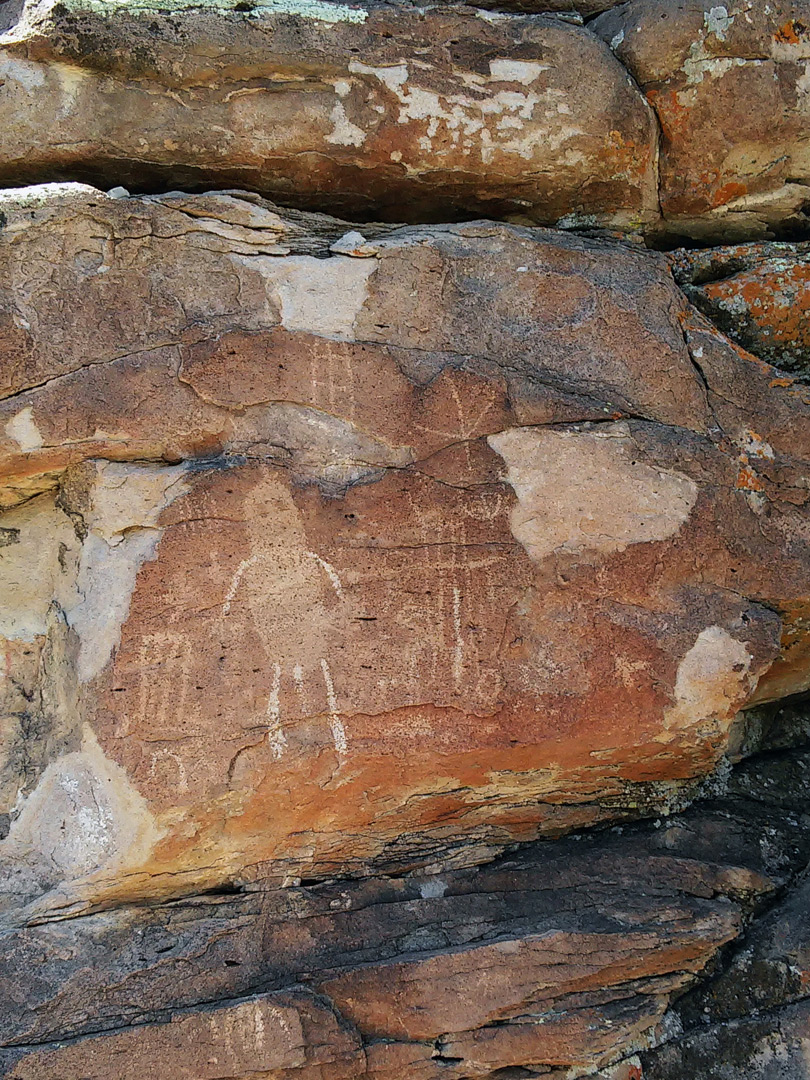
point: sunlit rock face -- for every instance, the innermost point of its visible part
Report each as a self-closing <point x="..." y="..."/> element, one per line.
<point x="387" y="111"/>
<point x="380" y="556"/>
<point x="728" y="83"/>
<point x="404" y="583"/>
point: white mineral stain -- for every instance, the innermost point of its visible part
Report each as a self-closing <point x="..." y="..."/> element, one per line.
<point x="318" y="296"/>
<point x="581" y="491"/>
<point x="23" y="430"/>
<point x="84" y="815"/>
<point x="521" y="71"/>
<point x="344" y="132"/>
<point x="712" y="679"/>
<point x="24" y="72"/>
<point x="485" y="121"/>
<point x="123" y="534"/>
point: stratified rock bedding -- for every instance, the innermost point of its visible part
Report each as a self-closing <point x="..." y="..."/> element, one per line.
<point x="561" y="959"/>
<point x="364" y="585"/>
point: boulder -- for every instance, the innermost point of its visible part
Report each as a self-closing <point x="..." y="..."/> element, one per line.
<point x="758" y="294"/>
<point x="728" y="83"/>
<point x="366" y="552"/>
<point x="372" y="111"/>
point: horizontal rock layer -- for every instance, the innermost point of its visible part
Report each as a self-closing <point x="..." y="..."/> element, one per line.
<point x="379" y="111"/>
<point x="689" y="124"/>
<point x="558" y="961"/>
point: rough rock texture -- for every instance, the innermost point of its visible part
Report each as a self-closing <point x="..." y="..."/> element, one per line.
<point x="758" y="294"/>
<point x="561" y="959"/>
<point x="752" y="1018"/>
<point x="729" y="85"/>
<point x="342" y="561"/>
<point x="443" y="111"/>
<point x="405" y="653"/>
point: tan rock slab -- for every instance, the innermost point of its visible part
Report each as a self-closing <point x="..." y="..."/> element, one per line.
<point x="425" y="114"/>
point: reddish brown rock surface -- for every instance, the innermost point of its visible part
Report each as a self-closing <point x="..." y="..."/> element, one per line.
<point x="386" y="111"/>
<point x="728" y="83"/>
<point x="395" y="558"/>
<point x="364" y="587"/>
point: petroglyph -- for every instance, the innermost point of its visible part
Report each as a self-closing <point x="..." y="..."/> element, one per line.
<point x="275" y="732"/>
<point x="162" y="702"/>
<point x="244" y="565"/>
<point x="331" y="573"/>
<point x="335" y="723"/>
<point x="166" y="755"/>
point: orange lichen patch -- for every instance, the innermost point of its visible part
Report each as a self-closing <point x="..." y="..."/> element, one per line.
<point x="752" y="358"/>
<point x="674" y="117"/>
<point x="776" y="299"/>
<point x="728" y="192"/>
<point x="791" y="32"/>
<point x="747" y="479"/>
<point x="783" y="382"/>
<point x="631" y="160"/>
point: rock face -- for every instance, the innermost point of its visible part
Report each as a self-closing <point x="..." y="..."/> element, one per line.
<point x="364" y="111"/>
<point x="560" y="960"/>
<point x="404" y="606"/>
<point x="759" y="294"/>
<point x="728" y="83"/>
<point x="340" y="564"/>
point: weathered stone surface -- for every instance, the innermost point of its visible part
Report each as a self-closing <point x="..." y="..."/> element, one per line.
<point x="386" y="111"/>
<point x="381" y="559"/>
<point x="775" y="1047"/>
<point x="285" y="1036"/>
<point x="758" y="294"/>
<point x="558" y="960"/>
<point x="728" y="83"/>
<point x="751" y="1018"/>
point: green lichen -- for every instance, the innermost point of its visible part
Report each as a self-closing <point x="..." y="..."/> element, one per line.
<point x="320" y="10"/>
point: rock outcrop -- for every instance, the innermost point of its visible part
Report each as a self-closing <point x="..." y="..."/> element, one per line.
<point x="560" y="960"/>
<point x="728" y="84"/>
<point x="307" y="526"/>
<point x="404" y="604"/>
<point x="758" y="294"/>
<point x="438" y="112"/>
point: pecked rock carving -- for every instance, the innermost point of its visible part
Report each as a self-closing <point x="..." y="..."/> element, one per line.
<point x="398" y="555"/>
<point x="404" y="614"/>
